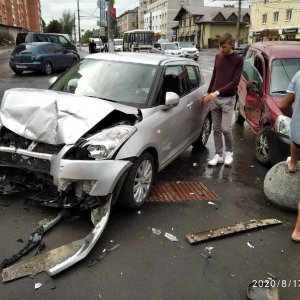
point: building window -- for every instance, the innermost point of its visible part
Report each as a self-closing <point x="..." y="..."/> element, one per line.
<point x="264" y="18"/>
<point x="275" y="16"/>
<point x="288" y="16"/>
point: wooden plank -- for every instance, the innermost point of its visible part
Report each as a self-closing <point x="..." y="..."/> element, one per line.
<point x="193" y="238"/>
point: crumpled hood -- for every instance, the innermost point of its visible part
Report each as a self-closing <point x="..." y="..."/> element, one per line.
<point x="53" y="117"/>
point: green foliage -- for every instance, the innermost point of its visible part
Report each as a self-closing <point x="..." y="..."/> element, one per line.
<point x="85" y="38"/>
<point x="54" y="26"/>
<point x="67" y="21"/>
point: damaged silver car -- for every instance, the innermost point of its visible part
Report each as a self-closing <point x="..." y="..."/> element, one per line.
<point x="103" y="131"/>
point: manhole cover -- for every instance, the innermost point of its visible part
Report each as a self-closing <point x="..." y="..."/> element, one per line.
<point x="181" y="191"/>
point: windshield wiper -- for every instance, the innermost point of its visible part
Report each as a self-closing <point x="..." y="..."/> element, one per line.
<point x="278" y="92"/>
<point x="102" y="98"/>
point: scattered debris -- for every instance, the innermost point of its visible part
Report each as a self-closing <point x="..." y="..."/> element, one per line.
<point x="37" y="285"/>
<point x="195" y="164"/>
<point x="34" y="239"/>
<point x="41" y="247"/>
<point x="103" y="254"/>
<point x="171" y="237"/>
<point x="213" y="204"/>
<point x="20" y="241"/>
<point x="272" y="276"/>
<point x="193" y="238"/>
<point x="209" y="249"/>
<point x="61" y="258"/>
<point x="249" y="244"/>
<point x="156" y="231"/>
<point x="262" y="291"/>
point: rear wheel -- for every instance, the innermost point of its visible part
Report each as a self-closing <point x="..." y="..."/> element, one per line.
<point x="205" y="132"/>
<point x="262" y="152"/>
<point x="48" y="68"/>
<point x="138" y="182"/>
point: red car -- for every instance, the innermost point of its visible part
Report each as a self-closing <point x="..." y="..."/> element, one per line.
<point x="268" y="70"/>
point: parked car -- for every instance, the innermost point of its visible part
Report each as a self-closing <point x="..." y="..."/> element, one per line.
<point x="41" y="56"/>
<point x="268" y="70"/>
<point x="106" y="126"/>
<point x="32" y="37"/>
<point x="189" y="50"/>
<point x="242" y="49"/>
<point x="167" y="48"/>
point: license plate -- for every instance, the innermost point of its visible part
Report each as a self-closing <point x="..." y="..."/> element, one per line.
<point x="21" y="67"/>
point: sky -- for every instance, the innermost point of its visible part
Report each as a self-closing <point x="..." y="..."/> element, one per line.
<point x="89" y="12"/>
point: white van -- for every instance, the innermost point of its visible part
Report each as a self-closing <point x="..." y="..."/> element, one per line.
<point x="118" y="44"/>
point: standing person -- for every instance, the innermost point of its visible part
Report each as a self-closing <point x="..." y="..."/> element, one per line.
<point x="293" y="96"/>
<point x="92" y="47"/>
<point x="222" y="92"/>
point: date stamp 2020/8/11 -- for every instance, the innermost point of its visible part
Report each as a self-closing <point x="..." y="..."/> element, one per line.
<point x="271" y="283"/>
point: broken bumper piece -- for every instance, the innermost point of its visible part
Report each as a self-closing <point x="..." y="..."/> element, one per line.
<point x="59" y="259"/>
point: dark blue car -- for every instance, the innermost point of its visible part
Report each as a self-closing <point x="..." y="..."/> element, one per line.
<point x="42" y="57"/>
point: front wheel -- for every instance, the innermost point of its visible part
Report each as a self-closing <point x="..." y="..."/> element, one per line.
<point x="47" y="68"/>
<point x="205" y="132"/>
<point x="138" y="182"/>
<point x="262" y="151"/>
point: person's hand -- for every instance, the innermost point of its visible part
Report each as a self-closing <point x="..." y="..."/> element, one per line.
<point x="209" y="97"/>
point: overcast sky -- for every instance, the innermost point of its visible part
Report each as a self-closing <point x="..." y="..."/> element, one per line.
<point x="89" y="12"/>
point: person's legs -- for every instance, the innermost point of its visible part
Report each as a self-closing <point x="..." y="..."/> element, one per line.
<point x="218" y="139"/>
<point x="227" y="113"/>
<point x="293" y="160"/>
<point x="296" y="232"/>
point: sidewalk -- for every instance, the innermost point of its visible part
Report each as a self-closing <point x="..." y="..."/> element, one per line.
<point x="4" y="50"/>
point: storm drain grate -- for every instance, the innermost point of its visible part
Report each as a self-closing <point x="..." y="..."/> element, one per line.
<point x="181" y="191"/>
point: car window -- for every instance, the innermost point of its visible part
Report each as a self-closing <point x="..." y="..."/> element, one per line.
<point x="192" y="77"/>
<point x="116" y="81"/>
<point x="63" y="40"/>
<point x="282" y="71"/>
<point x="251" y="73"/>
<point x="58" y="48"/>
<point x="179" y="81"/>
<point x="41" y="38"/>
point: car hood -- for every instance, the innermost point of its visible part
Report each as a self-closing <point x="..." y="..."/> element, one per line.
<point x="189" y="49"/>
<point x="54" y="117"/>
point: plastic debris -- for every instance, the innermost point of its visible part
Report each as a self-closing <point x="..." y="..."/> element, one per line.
<point x="171" y="237"/>
<point x="249" y="244"/>
<point x="195" y="164"/>
<point x="103" y="254"/>
<point x="209" y="249"/>
<point x="156" y="231"/>
<point x="212" y="203"/>
<point x="37" y="285"/>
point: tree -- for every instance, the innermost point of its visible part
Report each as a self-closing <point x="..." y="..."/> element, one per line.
<point x="67" y="21"/>
<point x="54" y="26"/>
<point x="85" y="37"/>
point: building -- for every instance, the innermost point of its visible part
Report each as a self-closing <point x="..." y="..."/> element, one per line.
<point x="203" y="25"/>
<point x="127" y="21"/>
<point x="20" y="15"/>
<point x="275" y="20"/>
<point x="158" y="15"/>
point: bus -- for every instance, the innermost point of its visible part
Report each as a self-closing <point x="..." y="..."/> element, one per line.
<point x="138" y="40"/>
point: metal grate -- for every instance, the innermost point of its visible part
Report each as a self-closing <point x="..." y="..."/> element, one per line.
<point x="181" y="191"/>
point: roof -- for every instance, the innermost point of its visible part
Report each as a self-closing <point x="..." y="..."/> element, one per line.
<point x="138" y="57"/>
<point x="279" y="49"/>
<point x="208" y="13"/>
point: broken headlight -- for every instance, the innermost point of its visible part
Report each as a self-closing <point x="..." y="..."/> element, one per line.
<point x="282" y="125"/>
<point x="104" y="144"/>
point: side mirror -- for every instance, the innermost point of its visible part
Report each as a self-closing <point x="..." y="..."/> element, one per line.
<point x="172" y="99"/>
<point x="52" y="80"/>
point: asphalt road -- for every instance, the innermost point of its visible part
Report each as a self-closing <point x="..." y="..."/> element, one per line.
<point x="149" y="266"/>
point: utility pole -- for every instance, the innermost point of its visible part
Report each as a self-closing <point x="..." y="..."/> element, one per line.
<point x="238" y="24"/>
<point x="75" y="29"/>
<point x="78" y="16"/>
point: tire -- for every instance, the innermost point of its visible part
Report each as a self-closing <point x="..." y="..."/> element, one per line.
<point x="205" y="133"/>
<point x="239" y="119"/>
<point x="18" y="72"/>
<point x="48" y="68"/>
<point x="138" y="183"/>
<point x="262" y="152"/>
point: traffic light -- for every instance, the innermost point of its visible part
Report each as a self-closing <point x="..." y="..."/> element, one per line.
<point x="113" y="17"/>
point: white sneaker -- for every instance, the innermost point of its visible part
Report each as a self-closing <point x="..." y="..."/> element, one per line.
<point x="228" y="158"/>
<point x="217" y="159"/>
